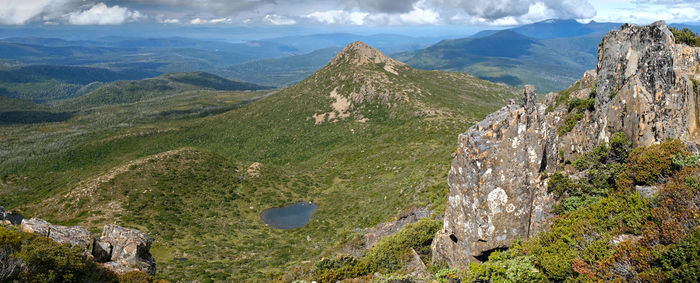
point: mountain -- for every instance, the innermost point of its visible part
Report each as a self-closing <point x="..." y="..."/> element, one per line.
<point x="164" y="85"/>
<point x="365" y="138"/>
<point x="282" y="72"/>
<point x="43" y="83"/>
<point x="556" y="28"/>
<point x="510" y="57"/>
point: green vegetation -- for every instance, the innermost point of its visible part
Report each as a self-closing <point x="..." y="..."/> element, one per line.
<point x="685" y="36"/>
<point x="387" y="256"/>
<point x="133" y="91"/>
<point x="621" y="236"/>
<point x="505" y="267"/>
<point x="189" y="152"/>
<point x="576" y="108"/>
<point x="29" y="258"/>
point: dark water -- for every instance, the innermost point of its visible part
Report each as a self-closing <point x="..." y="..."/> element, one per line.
<point x="289" y="217"/>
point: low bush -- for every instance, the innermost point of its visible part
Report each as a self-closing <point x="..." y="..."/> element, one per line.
<point x="649" y="165"/>
<point x="43" y="260"/>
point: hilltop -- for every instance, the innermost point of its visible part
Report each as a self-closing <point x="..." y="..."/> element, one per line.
<point x="364" y="138"/>
<point x="163" y="85"/>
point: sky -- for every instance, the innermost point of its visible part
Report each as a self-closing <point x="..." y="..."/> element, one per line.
<point x="341" y="13"/>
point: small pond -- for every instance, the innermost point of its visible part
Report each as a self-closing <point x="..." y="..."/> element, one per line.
<point x="289" y="217"/>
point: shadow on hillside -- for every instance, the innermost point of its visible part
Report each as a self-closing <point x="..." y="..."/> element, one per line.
<point x="33" y="117"/>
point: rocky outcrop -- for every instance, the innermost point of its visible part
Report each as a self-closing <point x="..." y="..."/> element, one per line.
<point x="126" y="250"/>
<point x="496" y="194"/>
<point x="74" y="236"/>
<point x="643" y="86"/>
<point x="9" y="218"/>
<point x="119" y="249"/>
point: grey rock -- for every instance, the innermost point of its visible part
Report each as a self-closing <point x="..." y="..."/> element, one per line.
<point x="130" y="249"/>
<point x="74" y="236"/>
<point x="617" y="240"/>
<point x="647" y="191"/>
<point x="496" y="194"/>
<point x="643" y="87"/>
<point x="120" y="249"/>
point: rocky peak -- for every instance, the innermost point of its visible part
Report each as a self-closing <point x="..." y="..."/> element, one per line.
<point x="642" y="86"/>
<point x="358" y="53"/>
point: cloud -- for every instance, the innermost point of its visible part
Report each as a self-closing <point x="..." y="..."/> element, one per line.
<point x="383" y="6"/>
<point x="18" y="12"/>
<point x="278" y="20"/>
<point x="101" y="14"/>
<point x="341" y="17"/>
<point x="503" y="9"/>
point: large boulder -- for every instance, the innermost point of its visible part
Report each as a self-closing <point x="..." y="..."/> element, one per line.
<point x="126" y="250"/>
<point x="119" y="249"/>
<point x="643" y="86"/>
<point x="74" y="236"/>
<point x="496" y="194"/>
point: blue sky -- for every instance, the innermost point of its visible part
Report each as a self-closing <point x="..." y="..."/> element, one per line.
<point x="358" y="13"/>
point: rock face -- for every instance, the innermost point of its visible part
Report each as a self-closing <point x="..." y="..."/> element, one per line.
<point x="495" y="191"/>
<point x="643" y="86"/>
<point x="128" y="250"/>
<point x="120" y="249"/>
<point x="74" y="236"/>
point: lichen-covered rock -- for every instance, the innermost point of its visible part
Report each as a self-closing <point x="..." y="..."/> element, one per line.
<point x="496" y="192"/>
<point x="643" y="86"/>
<point x="128" y="249"/>
<point x="74" y="236"/>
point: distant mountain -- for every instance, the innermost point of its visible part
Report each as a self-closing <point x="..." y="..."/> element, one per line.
<point x="282" y="72"/>
<point x="43" y="83"/>
<point x="551" y="54"/>
<point x="164" y="85"/>
<point x="555" y="28"/>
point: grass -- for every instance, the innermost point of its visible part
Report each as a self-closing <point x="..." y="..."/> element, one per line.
<point x="182" y="178"/>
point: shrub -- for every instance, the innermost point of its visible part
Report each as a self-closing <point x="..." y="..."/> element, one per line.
<point x="681" y="160"/>
<point x="386" y="256"/>
<point x="685" y="36"/>
<point x="43" y="260"/>
<point x="648" y="165"/>
<point x="9" y="245"/>
<point x="505" y="267"/>
<point x="447" y="274"/>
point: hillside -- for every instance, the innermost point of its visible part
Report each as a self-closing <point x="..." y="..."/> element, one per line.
<point x="164" y="85"/>
<point x="512" y="58"/>
<point x="282" y="72"/>
<point x="332" y="139"/>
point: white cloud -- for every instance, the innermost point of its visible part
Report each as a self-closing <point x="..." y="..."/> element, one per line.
<point x="278" y="20"/>
<point x="18" y="12"/>
<point x="420" y="14"/>
<point x="101" y="14"/>
<point x="339" y="17"/>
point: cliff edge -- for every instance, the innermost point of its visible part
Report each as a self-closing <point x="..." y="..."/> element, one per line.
<point x="644" y="85"/>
